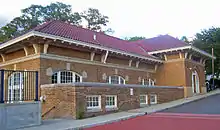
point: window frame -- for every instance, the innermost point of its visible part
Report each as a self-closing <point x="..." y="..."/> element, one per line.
<point x="144" y="82"/>
<point x="59" y="78"/>
<point x="94" y="107"/>
<point x="119" y="79"/>
<point x="115" y="101"/>
<point x="151" y="82"/>
<point x="146" y="99"/>
<point x="155" y="95"/>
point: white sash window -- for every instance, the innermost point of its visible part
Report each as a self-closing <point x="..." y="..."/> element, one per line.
<point x="116" y="80"/>
<point x="66" y="77"/>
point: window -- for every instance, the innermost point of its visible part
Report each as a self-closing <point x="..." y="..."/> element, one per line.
<point x="116" y="80"/>
<point x="143" y="99"/>
<point x="151" y="82"/>
<point x="153" y="99"/>
<point x="66" y="77"/>
<point x="145" y="82"/>
<point x="111" y="101"/>
<point x="15" y="87"/>
<point x="93" y="101"/>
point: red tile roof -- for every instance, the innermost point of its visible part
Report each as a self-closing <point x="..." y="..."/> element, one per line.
<point x="161" y="42"/>
<point x="141" y="47"/>
<point x="66" y="30"/>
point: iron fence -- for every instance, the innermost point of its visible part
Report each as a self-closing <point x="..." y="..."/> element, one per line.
<point x="18" y="86"/>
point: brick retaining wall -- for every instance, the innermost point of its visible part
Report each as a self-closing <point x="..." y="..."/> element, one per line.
<point x="69" y="100"/>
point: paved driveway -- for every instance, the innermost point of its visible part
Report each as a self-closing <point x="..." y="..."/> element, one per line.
<point x="199" y="115"/>
<point x="209" y="105"/>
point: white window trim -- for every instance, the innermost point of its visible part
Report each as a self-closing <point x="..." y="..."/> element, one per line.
<point x="119" y="79"/>
<point x="146" y="98"/>
<point x="112" y="106"/>
<point x="13" y="87"/>
<point x="73" y="73"/>
<point x="143" y="82"/>
<point x="99" y="101"/>
<point x="155" y="99"/>
<point x="151" y="82"/>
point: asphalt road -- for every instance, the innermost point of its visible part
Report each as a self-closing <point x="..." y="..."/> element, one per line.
<point x="209" y="105"/>
<point x="203" y="114"/>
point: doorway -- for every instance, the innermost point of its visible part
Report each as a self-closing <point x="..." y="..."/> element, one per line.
<point x="195" y="82"/>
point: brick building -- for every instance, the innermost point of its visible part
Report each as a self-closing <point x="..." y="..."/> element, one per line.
<point x="85" y="73"/>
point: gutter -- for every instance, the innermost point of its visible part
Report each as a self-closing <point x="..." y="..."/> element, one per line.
<point x="183" y="48"/>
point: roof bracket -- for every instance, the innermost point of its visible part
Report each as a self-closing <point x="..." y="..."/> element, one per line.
<point x="104" y="57"/>
<point x="3" y="57"/>
<point x="137" y="64"/>
<point x="130" y="62"/>
<point x="92" y="55"/>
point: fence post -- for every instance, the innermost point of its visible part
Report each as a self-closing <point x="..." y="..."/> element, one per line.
<point x="2" y="87"/>
<point x="36" y="87"/>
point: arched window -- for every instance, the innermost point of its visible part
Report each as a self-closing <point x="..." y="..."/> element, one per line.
<point x="66" y="77"/>
<point x="148" y="82"/>
<point x="15" y="87"/>
<point x="116" y="80"/>
<point x="151" y="82"/>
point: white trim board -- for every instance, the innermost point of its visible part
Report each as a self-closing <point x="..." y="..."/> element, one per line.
<point x="17" y="39"/>
<point x="183" y="48"/>
<point x="44" y="35"/>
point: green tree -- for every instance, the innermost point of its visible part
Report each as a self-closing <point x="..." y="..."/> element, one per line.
<point x="135" y="38"/>
<point x="95" y="20"/>
<point x="8" y="31"/>
<point x="207" y="39"/>
<point x="185" y="39"/>
<point x="37" y="14"/>
<point x="61" y="11"/>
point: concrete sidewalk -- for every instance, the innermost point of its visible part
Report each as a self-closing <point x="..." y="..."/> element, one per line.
<point x="64" y="124"/>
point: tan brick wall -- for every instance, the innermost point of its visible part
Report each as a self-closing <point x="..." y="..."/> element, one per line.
<point x="190" y="67"/>
<point x="30" y="50"/>
<point x="143" y="65"/>
<point x="60" y="102"/>
<point x="94" y="72"/>
<point x="179" y="73"/>
<point x="173" y="56"/>
<point x="171" y="74"/>
<point x="26" y="65"/>
<point x="14" y="55"/>
<point x="62" y="96"/>
<point x="117" y="60"/>
<point x="68" y="52"/>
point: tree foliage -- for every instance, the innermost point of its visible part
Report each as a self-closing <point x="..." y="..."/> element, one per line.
<point x="95" y="20"/>
<point x="207" y="39"/>
<point x="185" y="39"/>
<point x="135" y="38"/>
<point x="37" y="14"/>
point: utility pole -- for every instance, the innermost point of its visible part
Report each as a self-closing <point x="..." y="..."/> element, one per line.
<point x="213" y="73"/>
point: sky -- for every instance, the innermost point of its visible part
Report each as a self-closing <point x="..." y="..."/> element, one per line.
<point x="148" y="18"/>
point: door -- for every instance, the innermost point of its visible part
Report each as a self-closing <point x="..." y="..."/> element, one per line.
<point x="195" y="82"/>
